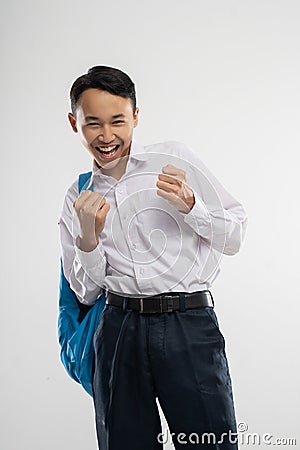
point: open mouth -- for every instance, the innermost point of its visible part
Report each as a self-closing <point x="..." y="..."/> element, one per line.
<point x="108" y="152"/>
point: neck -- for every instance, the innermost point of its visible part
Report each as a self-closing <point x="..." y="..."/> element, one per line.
<point x="117" y="171"/>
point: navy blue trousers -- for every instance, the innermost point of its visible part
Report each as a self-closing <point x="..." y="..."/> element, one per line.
<point x="178" y="357"/>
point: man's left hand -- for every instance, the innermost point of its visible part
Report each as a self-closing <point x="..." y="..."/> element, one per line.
<point x="172" y="187"/>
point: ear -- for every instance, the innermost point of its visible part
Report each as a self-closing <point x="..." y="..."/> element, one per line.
<point x="136" y="117"/>
<point x="72" y="121"/>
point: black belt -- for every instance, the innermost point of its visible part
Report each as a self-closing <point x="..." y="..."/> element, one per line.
<point x="163" y="302"/>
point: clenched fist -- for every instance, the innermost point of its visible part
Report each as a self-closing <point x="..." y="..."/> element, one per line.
<point x="173" y="187"/>
<point x="91" y="209"/>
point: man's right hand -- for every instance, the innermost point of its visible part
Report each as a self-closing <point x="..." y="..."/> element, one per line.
<point x="91" y="209"/>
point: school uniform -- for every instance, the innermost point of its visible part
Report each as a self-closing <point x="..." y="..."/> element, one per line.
<point x="158" y="336"/>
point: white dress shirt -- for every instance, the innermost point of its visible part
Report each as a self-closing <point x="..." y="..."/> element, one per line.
<point x="147" y="246"/>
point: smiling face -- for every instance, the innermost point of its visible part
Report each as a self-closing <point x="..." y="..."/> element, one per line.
<point x="105" y="123"/>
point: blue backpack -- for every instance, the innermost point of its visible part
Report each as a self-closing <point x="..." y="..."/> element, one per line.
<point x="77" y="324"/>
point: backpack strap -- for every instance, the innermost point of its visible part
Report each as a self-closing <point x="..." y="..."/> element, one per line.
<point x="83" y="181"/>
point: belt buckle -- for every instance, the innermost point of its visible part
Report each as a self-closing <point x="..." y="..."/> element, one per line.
<point x="142" y="308"/>
<point x="169" y="299"/>
<point x="170" y="302"/>
<point x="161" y="309"/>
<point x="141" y="301"/>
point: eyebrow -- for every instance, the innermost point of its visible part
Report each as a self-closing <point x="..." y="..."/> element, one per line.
<point x="116" y="116"/>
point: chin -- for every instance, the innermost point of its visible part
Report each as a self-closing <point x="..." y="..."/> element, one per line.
<point x="108" y="164"/>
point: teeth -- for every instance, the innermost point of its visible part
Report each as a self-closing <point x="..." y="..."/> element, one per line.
<point x="107" y="149"/>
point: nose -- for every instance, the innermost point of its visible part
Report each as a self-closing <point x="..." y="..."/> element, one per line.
<point x="106" y="134"/>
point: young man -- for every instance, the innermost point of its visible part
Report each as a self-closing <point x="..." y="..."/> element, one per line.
<point x="149" y="235"/>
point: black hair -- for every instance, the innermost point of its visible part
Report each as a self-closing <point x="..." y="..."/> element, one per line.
<point x="103" y="78"/>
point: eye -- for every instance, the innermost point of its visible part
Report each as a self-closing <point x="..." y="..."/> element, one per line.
<point x="93" y="124"/>
<point x="118" y="122"/>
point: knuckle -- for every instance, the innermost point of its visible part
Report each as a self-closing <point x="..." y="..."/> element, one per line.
<point x="84" y="194"/>
<point x="93" y="196"/>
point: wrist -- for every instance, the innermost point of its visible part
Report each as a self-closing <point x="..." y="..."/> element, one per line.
<point x="86" y="244"/>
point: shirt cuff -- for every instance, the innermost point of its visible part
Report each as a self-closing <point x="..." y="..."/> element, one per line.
<point x="90" y="260"/>
<point x="198" y="215"/>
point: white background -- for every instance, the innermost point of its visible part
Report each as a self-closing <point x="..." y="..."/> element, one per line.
<point x="221" y="76"/>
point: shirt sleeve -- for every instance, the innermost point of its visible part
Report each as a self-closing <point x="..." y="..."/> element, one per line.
<point x="217" y="217"/>
<point x="85" y="271"/>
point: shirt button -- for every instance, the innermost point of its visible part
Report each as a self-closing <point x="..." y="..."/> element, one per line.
<point x="133" y="246"/>
<point x="141" y="271"/>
